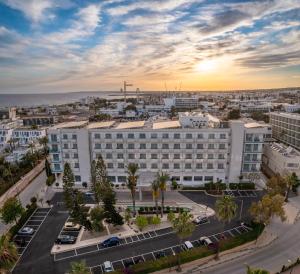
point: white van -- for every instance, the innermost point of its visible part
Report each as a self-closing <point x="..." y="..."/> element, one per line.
<point x="108" y="267"/>
<point x="188" y="245"/>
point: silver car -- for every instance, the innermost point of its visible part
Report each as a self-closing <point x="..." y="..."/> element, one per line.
<point x="26" y="231"/>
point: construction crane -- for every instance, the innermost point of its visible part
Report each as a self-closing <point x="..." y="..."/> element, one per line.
<point x="124" y="89"/>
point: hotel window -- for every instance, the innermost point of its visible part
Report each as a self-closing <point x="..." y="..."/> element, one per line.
<point x="153" y="135"/>
<point x="154" y="146"/>
<point x="142" y="136"/>
<point x="199" y="156"/>
<point x="176" y="166"/>
<point x="154" y="166"/>
<point x="130" y="146"/>
<point x="107" y="136"/>
<point x="67" y="156"/>
<point x="187" y="178"/>
<point x="142" y="156"/>
<point x="188" y="156"/>
<point x="221" y="156"/>
<point x="176" y="156"/>
<point x="143" y="165"/>
<point x="74" y="137"/>
<point x="165" y="146"/>
<point x="120" y="165"/>
<point x="165" y="136"/>
<point x="200" y="136"/>
<point x="131" y="156"/>
<point x="66" y="146"/>
<point x="97" y="136"/>
<point x="165" y="156"/>
<point x="120" y="156"/>
<point x="108" y="156"/>
<point x="153" y="156"/>
<point x="176" y="146"/>
<point x="221" y="166"/>
<point x="188" y="166"/>
<point x="111" y="178"/>
<point x="198" y="178"/>
<point x="199" y="146"/>
<point x="199" y="166"/>
<point x="130" y="136"/>
<point x="75" y="155"/>
<point x="65" y="136"/>
<point x="57" y="167"/>
<point x="177" y="136"/>
<point x="211" y="136"/>
<point x="97" y="146"/>
<point x="211" y="146"/>
<point x="210" y="156"/>
<point x="221" y="146"/>
<point x="210" y="166"/>
<point x="119" y="135"/>
<point x="110" y="165"/>
<point x="165" y="166"/>
<point x="189" y="146"/>
<point x="76" y="165"/>
<point x="122" y="179"/>
<point x="108" y="146"/>
<point x="119" y="146"/>
<point x="189" y="136"/>
<point x="208" y="178"/>
<point x="222" y="136"/>
<point x="56" y="157"/>
<point x="142" y="146"/>
<point x="53" y="137"/>
<point x="77" y="178"/>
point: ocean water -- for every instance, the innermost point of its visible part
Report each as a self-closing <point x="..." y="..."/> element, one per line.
<point x="25" y="100"/>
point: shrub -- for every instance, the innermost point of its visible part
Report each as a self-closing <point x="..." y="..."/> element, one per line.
<point x="141" y="208"/>
<point x="167" y="209"/>
<point x="33" y="200"/>
<point x="50" y="180"/>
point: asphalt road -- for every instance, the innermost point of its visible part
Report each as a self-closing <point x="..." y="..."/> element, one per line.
<point x="37" y="258"/>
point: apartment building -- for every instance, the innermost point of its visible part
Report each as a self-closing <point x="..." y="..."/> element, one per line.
<point x="282" y="159"/>
<point x="6" y="131"/>
<point x="286" y="128"/>
<point x="191" y="155"/>
<point x="24" y="136"/>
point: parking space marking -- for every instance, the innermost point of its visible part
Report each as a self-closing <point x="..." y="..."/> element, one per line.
<point x="229" y="231"/>
<point x="237" y="230"/>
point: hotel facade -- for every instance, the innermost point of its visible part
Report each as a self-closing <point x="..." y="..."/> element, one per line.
<point x="193" y="150"/>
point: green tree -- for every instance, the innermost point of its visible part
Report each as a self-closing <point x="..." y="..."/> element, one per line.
<point x="162" y="179"/>
<point x="97" y="215"/>
<point x="43" y="141"/>
<point x="183" y="227"/>
<point x="171" y="216"/>
<point x="291" y="181"/>
<point x="173" y="112"/>
<point x="276" y="185"/>
<point x="156" y="220"/>
<point x="68" y="185"/>
<point x="32" y="147"/>
<point x="155" y="194"/>
<point x="8" y="253"/>
<point x="141" y="222"/>
<point x="79" y="268"/>
<point x="132" y="178"/>
<point x="260" y="116"/>
<point x="128" y="215"/>
<point x="268" y="207"/>
<point x="48" y="168"/>
<point x="11" y="210"/>
<point x="256" y="271"/>
<point x="234" y="114"/>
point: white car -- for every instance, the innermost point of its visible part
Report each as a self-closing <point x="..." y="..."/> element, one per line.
<point x="26" y="231"/>
<point x="206" y="241"/>
<point x="108" y="267"/>
<point x="71" y="226"/>
<point x="188" y="245"/>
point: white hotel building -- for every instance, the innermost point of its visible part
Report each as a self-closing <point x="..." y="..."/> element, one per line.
<point x="191" y="153"/>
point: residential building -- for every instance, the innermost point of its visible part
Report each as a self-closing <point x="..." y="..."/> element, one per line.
<point x="24" y="136"/>
<point x="286" y="128"/>
<point x="282" y="159"/>
<point x="8" y="113"/>
<point x="17" y="154"/>
<point x="191" y="155"/>
<point x="291" y="107"/>
<point x="39" y="120"/>
<point x="6" y="131"/>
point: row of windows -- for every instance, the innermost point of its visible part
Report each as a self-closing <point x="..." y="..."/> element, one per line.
<point x="165" y="156"/>
<point x="169" y="166"/>
<point x="162" y="135"/>
<point x="157" y="146"/>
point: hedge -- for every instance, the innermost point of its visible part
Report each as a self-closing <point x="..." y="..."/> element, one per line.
<point x="167" y="209"/>
<point x="23" y="219"/>
<point x="242" y="186"/>
<point x="193" y="254"/>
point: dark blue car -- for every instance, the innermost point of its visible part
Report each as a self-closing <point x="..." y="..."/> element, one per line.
<point x="113" y="241"/>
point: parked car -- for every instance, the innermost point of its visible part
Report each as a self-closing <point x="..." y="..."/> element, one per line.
<point x="65" y="239"/>
<point x="26" y="231"/>
<point x="206" y="241"/>
<point x="200" y="220"/>
<point x="89" y="194"/>
<point x="188" y="245"/>
<point x="72" y="226"/>
<point x="113" y="241"/>
<point x="128" y="263"/>
<point x="108" y="267"/>
<point x="160" y="254"/>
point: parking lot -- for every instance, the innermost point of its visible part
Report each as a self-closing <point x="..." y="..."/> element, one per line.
<point x="35" y="221"/>
<point x="69" y="232"/>
<point x="172" y="250"/>
<point x="123" y="241"/>
<point x="241" y="193"/>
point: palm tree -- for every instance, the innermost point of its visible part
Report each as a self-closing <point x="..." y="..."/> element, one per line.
<point x="79" y="268"/>
<point x="8" y="253"/>
<point x="256" y="271"/>
<point x="132" y="182"/>
<point x="162" y="179"/>
<point x="225" y="211"/>
<point x="31" y="146"/>
<point x="291" y="180"/>
<point x="183" y="227"/>
<point x="155" y="194"/>
<point x="43" y="141"/>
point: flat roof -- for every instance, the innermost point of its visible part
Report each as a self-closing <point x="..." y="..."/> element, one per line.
<point x="100" y="124"/>
<point x="287" y="115"/>
<point x="127" y="125"/>
<point x="76" y="124"/>
<point x="167" y="124"/>
<point x="255" y="125"/>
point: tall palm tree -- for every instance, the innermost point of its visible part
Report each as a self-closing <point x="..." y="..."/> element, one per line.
<point x="162" y="179"/>
<point x="8" y="253"/>
<point x="31" y="146"/>
<point x="155" y="194"/>
<point x="291" y="180"/>
<point x="183" y="227"/>
<point x="132" y="178"/>
<point x="43" y="141"/>
<point x="226" y="209"/>
<point x="79" y="268"/>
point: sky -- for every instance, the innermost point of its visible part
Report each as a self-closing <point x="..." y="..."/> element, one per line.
<point x="88" y="45"/>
